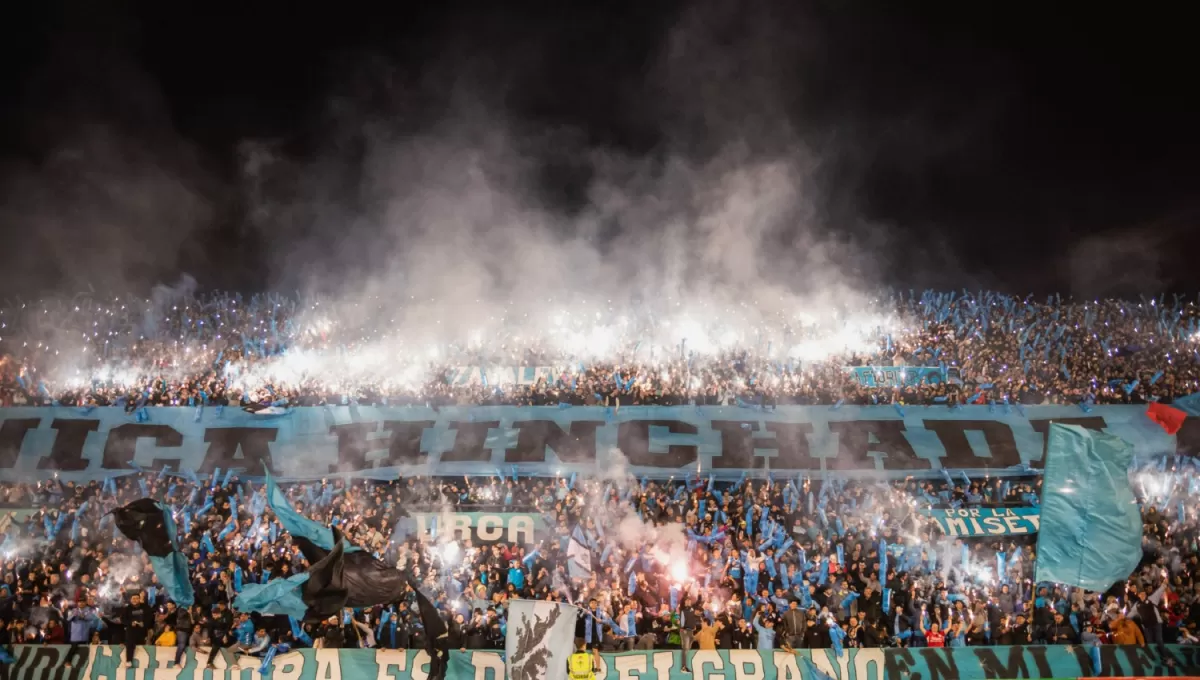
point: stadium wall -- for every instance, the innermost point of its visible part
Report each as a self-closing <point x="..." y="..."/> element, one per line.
<point x="60" y="662"/>
<point x="315" y="442"/>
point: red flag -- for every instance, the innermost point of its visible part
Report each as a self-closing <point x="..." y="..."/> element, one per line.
<point x="1168" y="417"/>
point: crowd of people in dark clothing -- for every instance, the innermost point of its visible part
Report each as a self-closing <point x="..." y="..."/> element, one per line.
<point x="693" y="564"/>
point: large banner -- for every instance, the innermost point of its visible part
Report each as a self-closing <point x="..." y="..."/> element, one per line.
<point x="382" y="442"/>
<point x="985" y="521"/>
<point x="18" y="515"/>
<point x="60" y="662"/>
<point x="481" y="527"/>
<point x="496" y="376"/>
<point x="896" y="376"/>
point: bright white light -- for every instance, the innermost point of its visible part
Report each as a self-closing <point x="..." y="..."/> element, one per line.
<point x="679" y="571"/>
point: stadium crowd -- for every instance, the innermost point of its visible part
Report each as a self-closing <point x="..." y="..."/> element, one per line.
<point x="763" y="563"/>
<point x="222" y="349"/>
<point x="685" y="563"/>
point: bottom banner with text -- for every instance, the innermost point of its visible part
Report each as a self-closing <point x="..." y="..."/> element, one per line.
<point x="61" y="662"/>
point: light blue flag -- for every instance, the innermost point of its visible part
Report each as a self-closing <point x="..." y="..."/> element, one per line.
<point x="297" y="524"/>
<point x="1189" y="404"/>
<point x="810" y="669"/>
<point x="1091" y="528"/>
<point x="172" y="568"/>
<point x="278" y="596"/>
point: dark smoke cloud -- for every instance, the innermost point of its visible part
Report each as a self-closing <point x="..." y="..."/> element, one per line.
<point x="104" y="195"/>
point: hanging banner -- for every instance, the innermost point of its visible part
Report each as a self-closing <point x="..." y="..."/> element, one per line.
<point x="482" y="527"/>
<point x="9" y="516"/>
<point x="62" y="662"/>
<point x="966" y="522"/>
<point x="500" y="376"/>
<point x="896" y="376"/>
<point x="381" y="442"/>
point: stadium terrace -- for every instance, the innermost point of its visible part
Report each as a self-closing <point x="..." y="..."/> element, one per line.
<point x="694" y="566"/>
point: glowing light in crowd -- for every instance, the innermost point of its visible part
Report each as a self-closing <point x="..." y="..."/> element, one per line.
<point x="679" y="570"/>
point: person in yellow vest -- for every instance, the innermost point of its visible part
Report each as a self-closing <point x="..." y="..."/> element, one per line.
<point x="581" y="665"/>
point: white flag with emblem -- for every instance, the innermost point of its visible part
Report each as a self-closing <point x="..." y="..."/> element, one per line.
<point x="541" y="636"/>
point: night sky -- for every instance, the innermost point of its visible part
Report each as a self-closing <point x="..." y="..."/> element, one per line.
<point x="1024" y="147"/>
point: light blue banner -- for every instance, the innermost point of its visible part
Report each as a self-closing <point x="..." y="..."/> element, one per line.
<point x="984" y="521"/>
<point x="50" y="662"/>
<point x="896" y="376"/>
<point x="658" y="441"/>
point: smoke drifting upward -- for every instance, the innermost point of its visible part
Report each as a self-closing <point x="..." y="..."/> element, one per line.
<point x="444" y="213"/>
<point x="450" y="229"/>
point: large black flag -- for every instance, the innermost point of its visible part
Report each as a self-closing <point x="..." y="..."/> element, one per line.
<point x="431" y="621"/>
<point x="325" y="590"/>
<point x="314" y="595"/>
<point x="368" y="581"/>
<point x="146" y="522"/>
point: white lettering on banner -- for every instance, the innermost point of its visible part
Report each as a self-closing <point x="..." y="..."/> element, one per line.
<point x="974" y="512"/>
<point x="91" y="662"/>
<point x="662" y="664"/>
<point x="786" y="667"/>
<point x="864" y="659"/>
<point x="462" y="526"/>
<point x="386" y="660"/>
<point x="329" y="664"/>
<point x="142" y="659"/>
<point x="514" y="528"/>
<point x="707" y="658"/>
<point x="164" y="668"/>
<point x="747" y="664"/>
<point x="106" y="663"/>
<point x="956" y="526"/>
<point x="500" y="375"/>
<point x="1016" y="525"/>
<point x="519" y="526"/>
<point x="287" y="666"/>
<point x="487" y="661"/>
<point x="491" y="528"/>
<point x="420" y="666"/>
<point x="625" y="666"/>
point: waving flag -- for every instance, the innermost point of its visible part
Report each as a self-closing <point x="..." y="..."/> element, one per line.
<point x="431" y="621"/>
<point x="314" y="595"/>
<point x="1189" y="404"/>
<point x="296" y="524"/>
<point x="1091" y="529"/>
<point x="368" y="581"/>
<point x="540" y="637"/>
<point x="1168" y="417"/>
<point x="579" y="557"/>
<point x="146" y="522"/>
